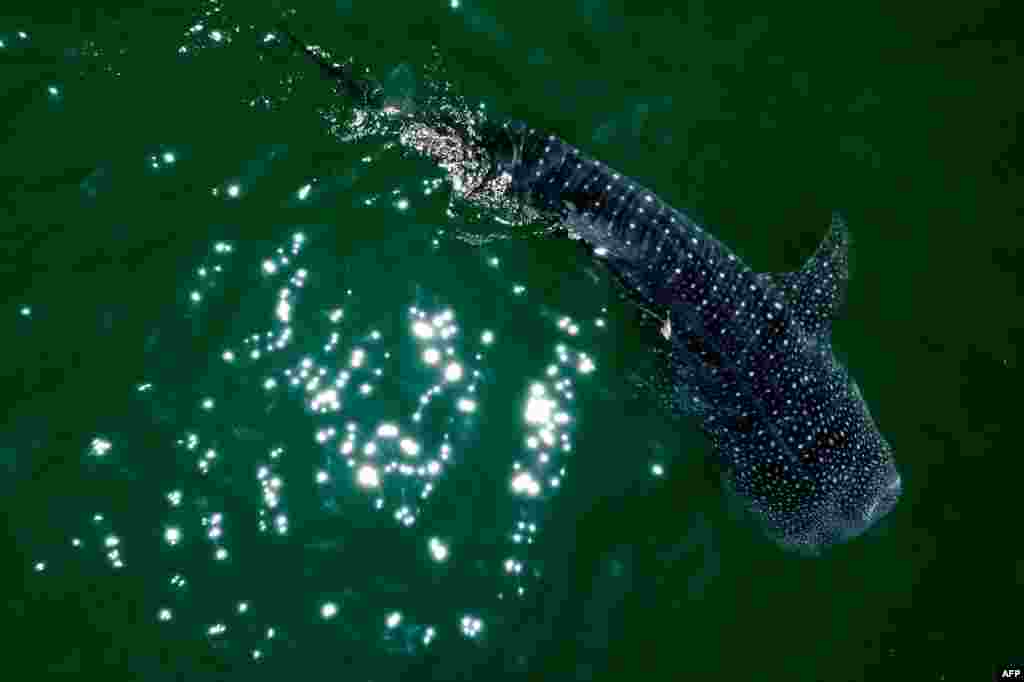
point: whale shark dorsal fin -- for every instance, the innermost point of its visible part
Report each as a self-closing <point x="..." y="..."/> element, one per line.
<point x="817" y="290"/>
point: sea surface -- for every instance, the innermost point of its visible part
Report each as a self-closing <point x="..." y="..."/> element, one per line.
<point x="269" y="408"/>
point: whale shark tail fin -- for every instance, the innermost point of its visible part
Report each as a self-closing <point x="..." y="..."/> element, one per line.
<point x="361" y="88"/>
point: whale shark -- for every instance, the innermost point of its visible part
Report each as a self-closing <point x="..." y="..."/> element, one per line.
<point x="748" y="354"/>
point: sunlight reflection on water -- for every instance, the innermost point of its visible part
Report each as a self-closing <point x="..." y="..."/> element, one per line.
<point x="300" y="431"/>
<point x="317" y="456"/>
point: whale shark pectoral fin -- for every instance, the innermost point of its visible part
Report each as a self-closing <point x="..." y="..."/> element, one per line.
<point x="818" y="289"/>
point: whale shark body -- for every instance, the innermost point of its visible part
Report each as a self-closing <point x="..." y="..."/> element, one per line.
<point x="749" y="354"/>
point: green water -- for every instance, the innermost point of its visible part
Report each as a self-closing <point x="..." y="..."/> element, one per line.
<point x="266" y="416"/>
